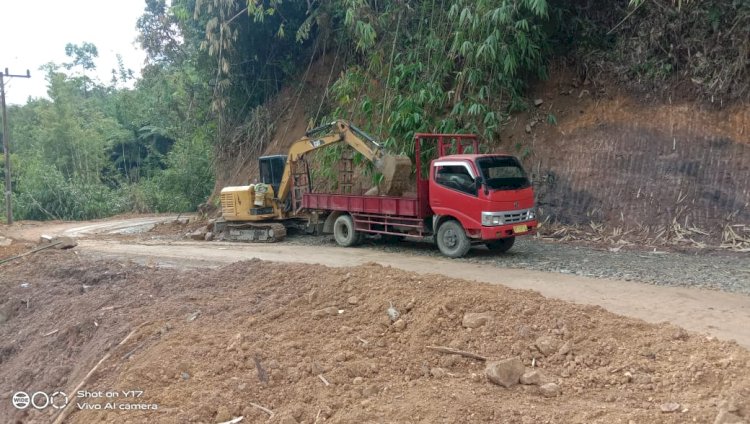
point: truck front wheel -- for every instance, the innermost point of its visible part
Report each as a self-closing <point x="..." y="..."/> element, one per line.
<point x="502" y="245"/>
<point x="345" y="233"/>
<point x="452" y="240"/>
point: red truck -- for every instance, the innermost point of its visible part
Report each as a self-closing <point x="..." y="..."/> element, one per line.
<point x="462" y="199"/>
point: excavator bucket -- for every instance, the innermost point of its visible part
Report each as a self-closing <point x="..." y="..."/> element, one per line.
<point x="396" y="176"/>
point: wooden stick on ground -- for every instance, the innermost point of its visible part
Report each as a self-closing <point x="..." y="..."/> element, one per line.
<point x="323" y="379"/>
<point x="66" y="411"/>
<point x="451" y="351"/>
<point x="38" y="249"/>
<point x="264" y="409"/>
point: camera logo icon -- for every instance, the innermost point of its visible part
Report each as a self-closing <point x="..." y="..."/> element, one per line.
<point x="21" y="400"/>
<point x="40" y="400"/>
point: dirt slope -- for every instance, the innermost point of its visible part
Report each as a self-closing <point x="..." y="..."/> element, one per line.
<point x="601" y="153"/>
<point x="210" y="342"/>
<point x="291" y="112"/>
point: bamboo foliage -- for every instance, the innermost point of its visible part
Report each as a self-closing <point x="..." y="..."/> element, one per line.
<point x="219" y="42"/>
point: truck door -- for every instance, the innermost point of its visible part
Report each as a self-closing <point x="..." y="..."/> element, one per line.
<point x="453" y="191"/>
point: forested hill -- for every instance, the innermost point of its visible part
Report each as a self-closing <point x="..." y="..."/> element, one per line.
<point x="403" y="66"/>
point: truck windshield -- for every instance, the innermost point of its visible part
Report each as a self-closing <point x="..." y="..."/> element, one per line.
<point x="503" y="173"/>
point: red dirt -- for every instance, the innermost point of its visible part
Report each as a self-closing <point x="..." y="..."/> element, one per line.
<point x="16" y="248"/>
<point x="199" y="333"/>
<point x="633" y="162"/>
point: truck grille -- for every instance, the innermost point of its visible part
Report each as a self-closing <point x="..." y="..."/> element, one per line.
<point x="227" y="204"/>
<point x="516" y="216"/>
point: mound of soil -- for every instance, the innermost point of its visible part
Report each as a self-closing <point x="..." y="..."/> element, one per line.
<point x="312" y="344"/>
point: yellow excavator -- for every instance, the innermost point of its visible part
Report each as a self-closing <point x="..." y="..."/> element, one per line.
<point x="262" y="211"/>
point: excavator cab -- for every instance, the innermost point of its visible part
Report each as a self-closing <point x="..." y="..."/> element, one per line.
<point x="271" y="170"/>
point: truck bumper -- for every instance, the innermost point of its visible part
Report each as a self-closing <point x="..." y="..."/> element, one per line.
<point x="505" y="231"/>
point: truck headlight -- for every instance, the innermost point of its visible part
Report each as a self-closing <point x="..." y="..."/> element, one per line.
<point x="532" y="214"/>
<point x="491" y="219"/>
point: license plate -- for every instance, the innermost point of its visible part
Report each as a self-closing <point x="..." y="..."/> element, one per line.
<point x="520" y="229"/>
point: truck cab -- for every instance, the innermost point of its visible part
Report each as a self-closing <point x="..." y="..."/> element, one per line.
<point x="472" y="198"/>
<point x="489" y="196"/>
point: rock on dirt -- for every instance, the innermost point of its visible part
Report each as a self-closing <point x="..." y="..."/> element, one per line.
<point x="726" y="417"/>
<point x="565" y="348"/>
<point x="5" y="242"/>
<point x="438" y="372"/>
<point x="731" y="412"/>
<point x="669" y="407"/>
<point x="550" y="390"/>
<point x="534" y="377"/>
<point x="59" y="242"/>
<point x="547" y="345"/>
<point x="199" y="234"/>
<point x="475" y="320"/>
<point x="506" y="373"/>
<point x="399" y="325"/>
<point x="329" y="311"/>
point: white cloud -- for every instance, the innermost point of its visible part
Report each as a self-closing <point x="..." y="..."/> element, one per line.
<point x="35" y="32"/>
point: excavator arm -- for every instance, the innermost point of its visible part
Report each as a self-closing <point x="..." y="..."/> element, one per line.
<point x="252" y="213"/>
<point x="342" y="131"/>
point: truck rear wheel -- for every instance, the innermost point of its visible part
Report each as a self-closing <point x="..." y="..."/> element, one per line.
<point x="502" y="245"/>
<point x="451" y="239"/>
<point x="345" y="233"/>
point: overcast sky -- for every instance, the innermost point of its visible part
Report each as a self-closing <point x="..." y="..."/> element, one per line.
<point x="33" y="33"/>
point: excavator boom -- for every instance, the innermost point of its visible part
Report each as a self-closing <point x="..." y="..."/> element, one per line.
<point x="395" y="169"/>
<point x="253" y="212"/>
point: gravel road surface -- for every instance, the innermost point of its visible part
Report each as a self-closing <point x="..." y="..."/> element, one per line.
<point x="727" y="271"/>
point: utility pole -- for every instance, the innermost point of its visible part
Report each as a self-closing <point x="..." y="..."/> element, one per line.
<point x="6" y="143"/>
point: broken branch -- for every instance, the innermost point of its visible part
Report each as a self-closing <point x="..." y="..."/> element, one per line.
<point x="262" y="408"/>
<point x="38" y="249"/>
<point x="451" y="351"/>
<point x="66" y="410"/>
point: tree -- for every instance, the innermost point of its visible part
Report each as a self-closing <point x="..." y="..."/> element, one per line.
<point x="82" y="56"/>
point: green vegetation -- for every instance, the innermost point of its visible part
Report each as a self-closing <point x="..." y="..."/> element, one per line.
<point x="93" y="150"/>
<point x="96" y="149"/>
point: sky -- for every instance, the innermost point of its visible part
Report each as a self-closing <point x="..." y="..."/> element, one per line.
<point x="33" y="33"/>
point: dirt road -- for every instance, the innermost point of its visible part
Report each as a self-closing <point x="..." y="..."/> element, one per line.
<point x="724" y="315"/>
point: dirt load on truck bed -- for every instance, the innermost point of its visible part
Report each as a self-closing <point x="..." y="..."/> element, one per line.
<point x="285" y="343"/>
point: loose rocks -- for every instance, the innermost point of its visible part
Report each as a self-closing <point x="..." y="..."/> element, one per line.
<point x="506" y="373"/>
<point x="670" y="407"/>
<point x="199" y="234"/>
<point x="475" y="320"/>
<point x="534" y="377"/>
<point x="399" y="325"/>
<point x="329" y="311"/>
<point x="547" y="345"/>
<point x="549" y="390"/>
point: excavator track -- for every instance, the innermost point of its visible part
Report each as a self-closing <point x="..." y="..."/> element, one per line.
<point x="251" y="232"/>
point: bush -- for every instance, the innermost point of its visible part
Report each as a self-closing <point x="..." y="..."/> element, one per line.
<point x="43" y="192"/>
<point x="182" y="186"/>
